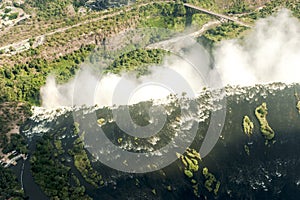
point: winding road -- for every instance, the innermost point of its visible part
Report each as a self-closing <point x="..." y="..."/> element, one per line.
<point x="173" y="42"/>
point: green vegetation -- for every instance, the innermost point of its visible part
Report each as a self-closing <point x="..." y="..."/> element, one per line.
<point x="7" y="10"/>
<point x="10" y="16"/>
<point x="137" y="60"/>
<point x="199" y="19"/>
<point x="238" y="7"/>
<point x="211" y="183"/>
<point x="58" y="146"/>
<point x="9" y="186"/>
<point x="190" y="162"/>
<point x="248" y="126"/>
<point x="168" y="15"/>
<point x="271" y="7"/>
<point x="227" y="30"/>
<point x="13" y="114"/>
<point x="82" y="163"/>
<point x="13" y="16"/>
<point x="51" y="175"/>
<point x="120" y="140"/>
<point x="76" y="128"/>
<point x="191" y="166"/>
<point x="22" y="82"/>
<point x="247" y="150"/>
<point x="17" y="142"/>
<point x="298" y="106"/>
<point x="261" y="114"/>
<point x="188" y="173"/>
<point x="298" y="102"/>
<point x="153" y="191"/>
<point x="169" y="188"/>
<point x="101" y="121"/>
<point x="54" y="8"/>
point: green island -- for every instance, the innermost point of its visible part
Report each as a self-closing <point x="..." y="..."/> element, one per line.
<point x="211" y="183"/>
<point x="248" y="126"/>
<point x="247" y="150"/>
<point x="298" y="106"/>
<point x="261" y="114"/>
<point x="190" y="162"/>
<point x="297" y="102"/>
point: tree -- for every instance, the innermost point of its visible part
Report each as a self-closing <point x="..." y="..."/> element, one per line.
<point x="179" y="10"/>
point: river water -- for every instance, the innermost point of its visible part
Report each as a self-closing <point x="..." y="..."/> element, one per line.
<point x="31" y="189"/>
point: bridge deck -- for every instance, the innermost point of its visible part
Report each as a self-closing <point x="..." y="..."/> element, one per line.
<point x="217" y="14"/>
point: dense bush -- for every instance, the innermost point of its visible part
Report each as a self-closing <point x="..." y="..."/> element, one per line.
<point x="22" y="82"/>
<point x="52" y="176"/>
<point x="224" y="31"/>
<point x="9" y="187"/>
<point x="137" y="60"/>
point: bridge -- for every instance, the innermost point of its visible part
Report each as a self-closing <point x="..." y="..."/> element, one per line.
<point x="217" y="15"/>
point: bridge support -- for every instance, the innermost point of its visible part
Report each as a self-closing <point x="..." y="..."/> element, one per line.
<point x="189" y="16"/>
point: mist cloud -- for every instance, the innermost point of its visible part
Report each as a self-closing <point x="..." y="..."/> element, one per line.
<point x="89" y="88"/>
<point x="270" y="53"/>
